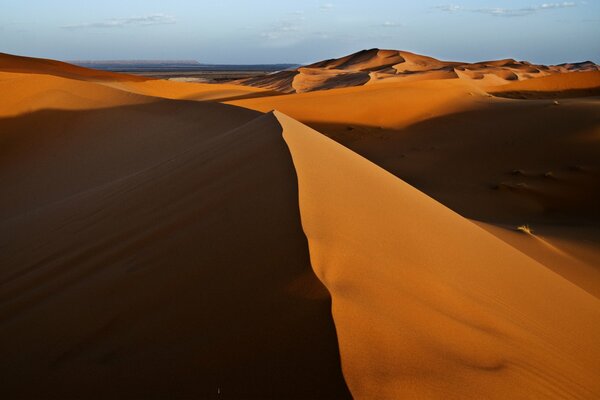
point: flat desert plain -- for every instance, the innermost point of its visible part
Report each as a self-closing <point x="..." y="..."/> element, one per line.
<point x="381" y="226"/>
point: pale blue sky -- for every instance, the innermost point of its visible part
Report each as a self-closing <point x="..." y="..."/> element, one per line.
<point x="263" y="31"/>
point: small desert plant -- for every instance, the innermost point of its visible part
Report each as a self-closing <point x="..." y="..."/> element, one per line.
<point x="525" y="229"/>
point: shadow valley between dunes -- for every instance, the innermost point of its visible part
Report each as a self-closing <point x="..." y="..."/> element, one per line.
<point x="504" y="162"/>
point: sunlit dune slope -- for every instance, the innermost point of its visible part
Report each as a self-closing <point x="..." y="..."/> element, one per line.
<point x="560" y="85"/>
<point x="50" y="155"/>
<point x="569" y="250"/>
<point x="384" y="105"/>
<point x="30" y="65"/>
<point x="510" y="163"/>
<point x="191" y="91"/>
<point x="428" y="305"/>
<point x="24" y="92"/>
<point x="181" y="273"/>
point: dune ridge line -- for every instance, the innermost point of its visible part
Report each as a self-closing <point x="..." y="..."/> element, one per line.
<point x="460" y="322"/>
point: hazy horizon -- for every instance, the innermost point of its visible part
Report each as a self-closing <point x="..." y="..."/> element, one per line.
<point x="267" y="32"/>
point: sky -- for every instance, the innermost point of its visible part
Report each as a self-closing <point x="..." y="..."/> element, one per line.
<point x="300" y="31"/>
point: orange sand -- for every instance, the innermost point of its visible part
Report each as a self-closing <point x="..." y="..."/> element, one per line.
<point x="157" y="243"/>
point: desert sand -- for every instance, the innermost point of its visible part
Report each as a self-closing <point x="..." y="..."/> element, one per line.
<point x="169" y="239"/>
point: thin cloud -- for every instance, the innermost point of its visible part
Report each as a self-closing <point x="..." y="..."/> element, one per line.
<point x="326" y="7"/>
<point x="508" y="12"/>
<point x="146" y="20"/>
<point x="450" y="8"/>
<point x="391" y="24"/>
<point x="285" y="28"/>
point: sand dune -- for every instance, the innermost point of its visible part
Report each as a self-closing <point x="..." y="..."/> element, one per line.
<point x="536" y="160"/>
<point x="51" y="155"/>
<point x="383" y="105"/>
<point x="30" y="65"/>
<point x="428" y="305"/>
<point x="155" y="245"/>
<point x="25" y="93"/>
<point x="179" y="274"/>
<point x="572" y="251"/>
<point x="175" y="247"/>
<point x="504" y="162"/>
<point x="554" y="86"/>
<point x="374" y="65"/>
<point x="191" y="91"/>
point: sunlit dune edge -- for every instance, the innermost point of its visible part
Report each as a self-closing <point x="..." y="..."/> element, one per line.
<point x="428" y="305"/>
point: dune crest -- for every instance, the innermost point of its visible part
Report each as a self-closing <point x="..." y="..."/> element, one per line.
<point x="428" y="305"/>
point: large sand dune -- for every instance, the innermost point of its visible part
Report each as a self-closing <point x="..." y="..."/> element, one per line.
<point x="427" y="304"/>
<point x="180" y="273"/>
<point x="501" y="161"/>
<point x="156" y="243"/>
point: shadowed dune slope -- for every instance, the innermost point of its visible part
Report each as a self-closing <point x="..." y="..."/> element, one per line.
<point x="51" y="155"/>
<point x="502" y="161"/>
<point x="428" y="305"/>
<point x="154" y="252"/>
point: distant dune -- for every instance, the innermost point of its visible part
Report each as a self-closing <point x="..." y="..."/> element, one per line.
<point x="375" y="65"/>
<point x="12" y="63"/>
<point x="585" y="83"/>
<point x="179" y="240"/>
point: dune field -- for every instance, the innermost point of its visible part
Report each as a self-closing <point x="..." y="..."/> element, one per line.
<point x="379" y="226"/>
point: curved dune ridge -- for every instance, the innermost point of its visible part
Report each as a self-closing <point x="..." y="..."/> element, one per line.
<point x="375" y="65"/>
<point x="158" y="243"/>
<point x="428" y="305"/>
